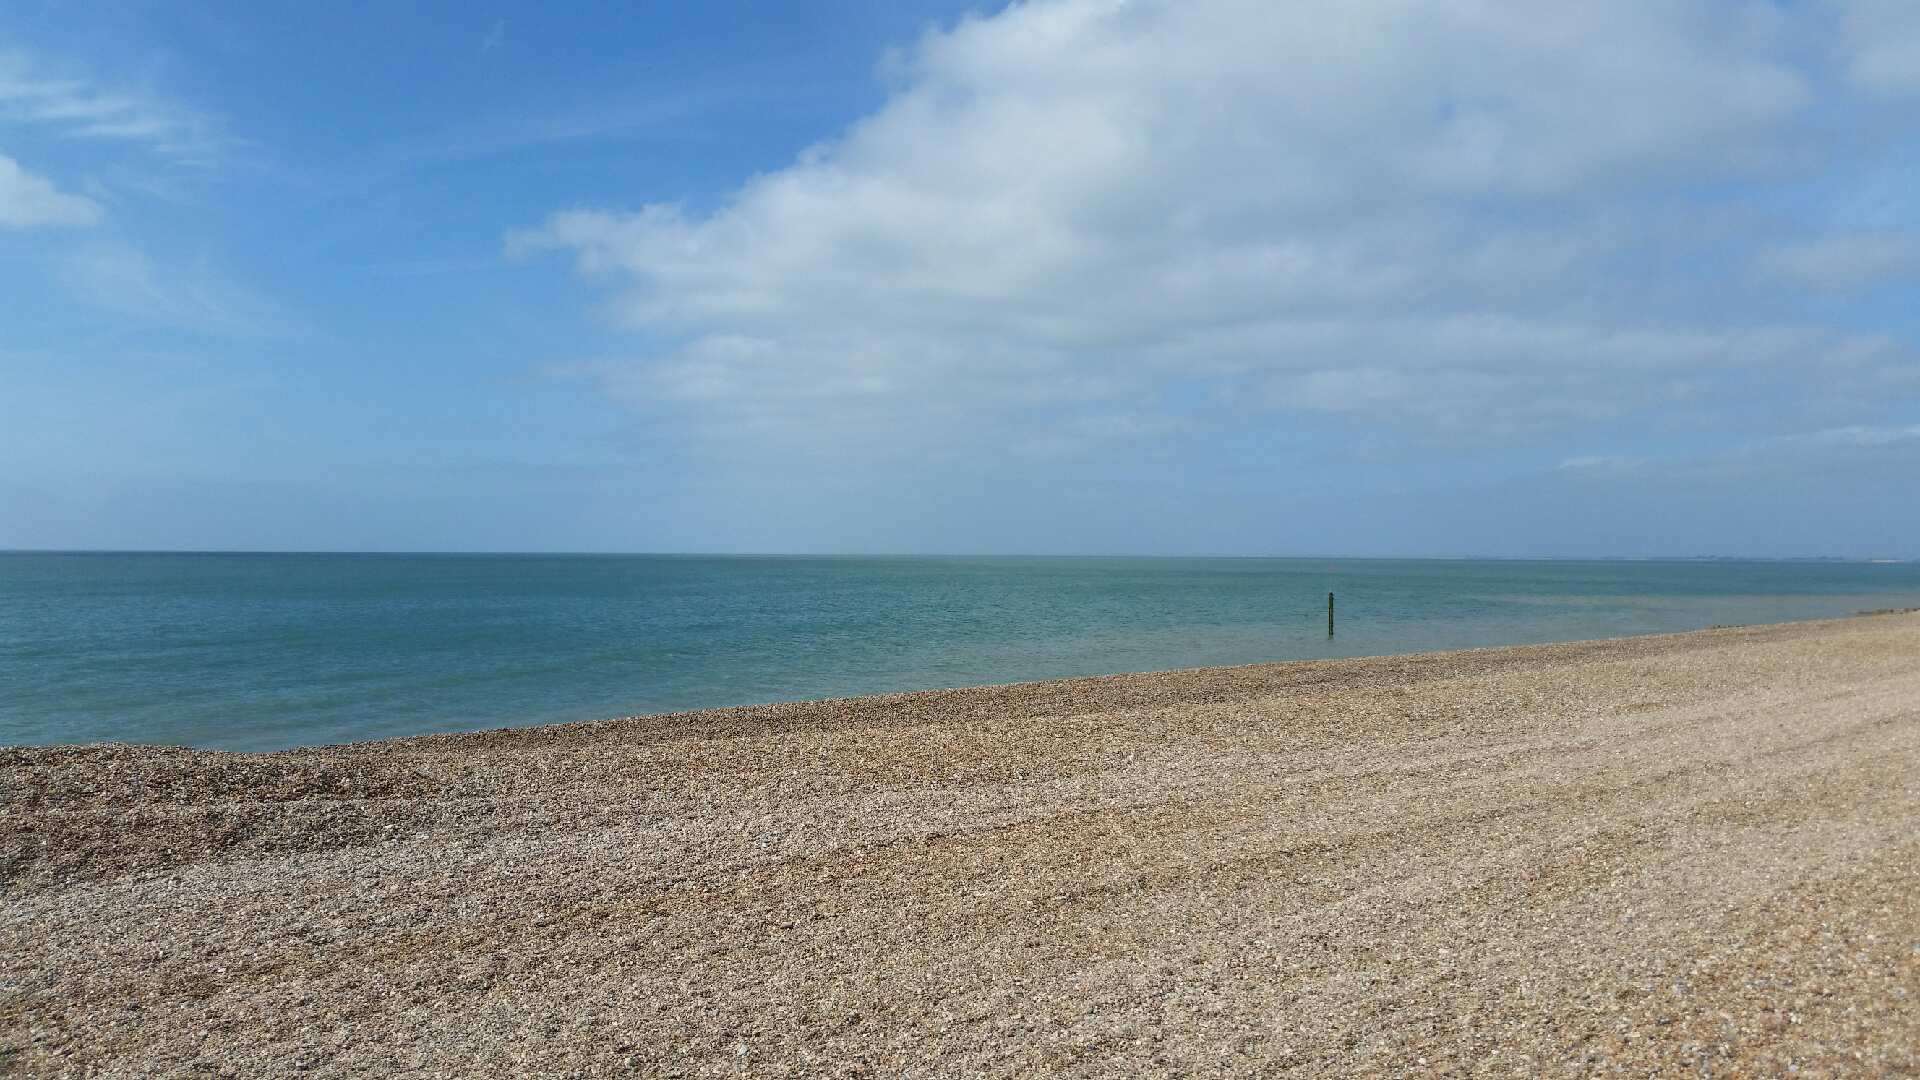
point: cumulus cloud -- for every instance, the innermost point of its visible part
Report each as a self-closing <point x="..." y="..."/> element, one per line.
<point x="28" y="201"/>
<point x="1121" y="219"/>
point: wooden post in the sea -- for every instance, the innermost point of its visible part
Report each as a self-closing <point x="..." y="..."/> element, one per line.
<point x="1329" y="614"/>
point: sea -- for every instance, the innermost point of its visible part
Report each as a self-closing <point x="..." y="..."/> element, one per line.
<point x="270" y="651"/>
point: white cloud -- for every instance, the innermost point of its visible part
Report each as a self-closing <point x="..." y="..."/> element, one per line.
<point x="1845" y="260"/>
<point x="1430" y="211"/>
<point x="28" y="201"/>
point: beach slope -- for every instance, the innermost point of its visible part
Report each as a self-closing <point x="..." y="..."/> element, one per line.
<point x="1697" y="852"/>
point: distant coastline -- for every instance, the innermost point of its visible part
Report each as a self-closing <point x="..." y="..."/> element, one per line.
<point x="483" y="553"/>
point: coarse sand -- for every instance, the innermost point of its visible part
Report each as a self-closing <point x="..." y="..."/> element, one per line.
<point x="1679" y="855"/>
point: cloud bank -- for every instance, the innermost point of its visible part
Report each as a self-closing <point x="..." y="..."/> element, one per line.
<point x="1082" y="227"/>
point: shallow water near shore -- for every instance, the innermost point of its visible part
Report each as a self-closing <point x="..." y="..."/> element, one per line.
<point x="258" y="652"/>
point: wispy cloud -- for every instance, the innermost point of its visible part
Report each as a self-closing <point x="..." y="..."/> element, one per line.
<point x="193" y="298"/>
<point x="83" y="108"/>
<point x="641" y="117"/>
<point x="28" y="201"/>
<point x="496" y="34"/>
<point x="1845" y="260"/>
<point x="1882" y="38"/>
<point x="1600" y="463"/>
<point x="1862" y="435"/>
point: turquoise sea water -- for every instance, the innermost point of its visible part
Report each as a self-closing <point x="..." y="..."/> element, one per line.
<point x="266" y="651"/>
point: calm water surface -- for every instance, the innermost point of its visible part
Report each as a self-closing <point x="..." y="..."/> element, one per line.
<point x="267" y="651"/>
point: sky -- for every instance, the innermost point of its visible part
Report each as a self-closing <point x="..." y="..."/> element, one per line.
<point x="1366" y="277"/>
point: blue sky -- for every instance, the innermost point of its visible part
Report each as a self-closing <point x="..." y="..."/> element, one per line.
<point x="1376" y="277"/>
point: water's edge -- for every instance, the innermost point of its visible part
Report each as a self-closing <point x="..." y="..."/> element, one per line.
<point x="264" y="652"/>
<point x="763" y="718"/>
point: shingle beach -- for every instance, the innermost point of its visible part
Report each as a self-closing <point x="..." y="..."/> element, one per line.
<point x="1679" y="855"/>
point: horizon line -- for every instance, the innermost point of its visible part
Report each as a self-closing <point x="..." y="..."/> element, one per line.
<point x="557" y="553"/>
